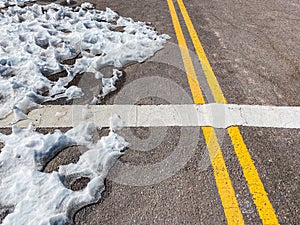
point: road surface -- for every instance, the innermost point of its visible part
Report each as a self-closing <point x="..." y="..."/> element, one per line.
<point x="194" y="175"/>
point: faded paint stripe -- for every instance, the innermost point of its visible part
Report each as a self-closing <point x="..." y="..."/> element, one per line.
<point x="189" y="115"/>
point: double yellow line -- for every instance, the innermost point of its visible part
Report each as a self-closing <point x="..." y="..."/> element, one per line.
<point x="227" y="194"/>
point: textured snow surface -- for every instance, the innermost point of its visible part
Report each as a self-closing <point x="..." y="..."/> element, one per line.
<point x="36" y="41"/>
<point x="7" y="3"/>
<point x="43" y="198"/>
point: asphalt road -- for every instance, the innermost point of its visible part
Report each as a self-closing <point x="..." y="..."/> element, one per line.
<point x="253" y="48"/>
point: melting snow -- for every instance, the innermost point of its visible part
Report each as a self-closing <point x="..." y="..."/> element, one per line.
<point x="7" y="3"/>
<point x="35" y="42"/>
<point x="43" y="198"/>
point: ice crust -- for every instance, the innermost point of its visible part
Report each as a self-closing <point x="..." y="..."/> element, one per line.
<point x="43" y="198"/>
<point x="35" y="42"/>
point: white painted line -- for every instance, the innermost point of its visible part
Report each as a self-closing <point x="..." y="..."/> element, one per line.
<point x="215" y="115"/>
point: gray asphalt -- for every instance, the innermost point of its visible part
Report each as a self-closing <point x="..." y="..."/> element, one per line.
<point x="254" y="49"/>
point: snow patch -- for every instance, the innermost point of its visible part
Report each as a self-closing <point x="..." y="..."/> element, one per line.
<point x="43" y="198"/>
<point x="36" y="41"/>
<point x="7" y="3"/>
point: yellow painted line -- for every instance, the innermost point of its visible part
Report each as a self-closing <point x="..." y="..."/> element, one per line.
<point x="209" y="73"/>
<point x="188" y="64"/>
<point x="228" y="198"/>
<point x="256" y="187"/>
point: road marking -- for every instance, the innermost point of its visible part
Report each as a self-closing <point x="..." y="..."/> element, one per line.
<point x="188" y="115"/>
<point x="228" y="198"/>
<point x="227" y="194"/>
<point x="259" y="195"/>
<point x="208" y="72"/>
<point x="256" y="187"/>
<point x="187" y="61"/>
